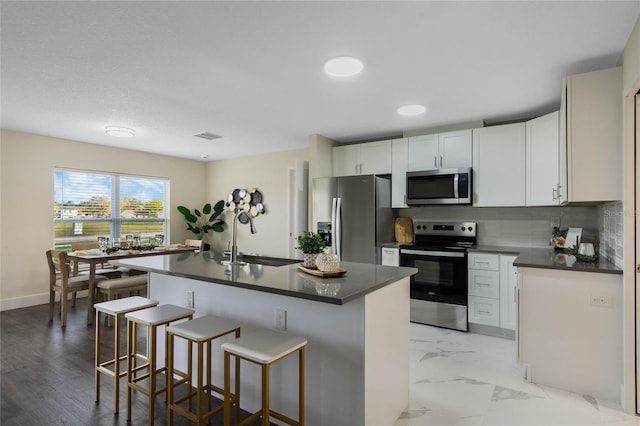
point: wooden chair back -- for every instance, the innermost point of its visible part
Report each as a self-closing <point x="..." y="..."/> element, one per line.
<point x="59" y="267"/>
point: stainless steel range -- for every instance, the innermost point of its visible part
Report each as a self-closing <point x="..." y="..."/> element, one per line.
<point x="439" y="289"/>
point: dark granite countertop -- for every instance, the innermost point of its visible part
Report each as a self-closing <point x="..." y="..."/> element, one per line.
<point x="359" y="280"/>
<point x="546" y="258"/>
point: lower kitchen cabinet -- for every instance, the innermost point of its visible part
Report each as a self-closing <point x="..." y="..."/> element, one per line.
<point x="484" y="310"/>
<point x="492" y="285"/>
<point x="508" y="287"/>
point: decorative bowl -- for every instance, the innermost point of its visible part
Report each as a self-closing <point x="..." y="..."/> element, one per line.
<point x="327" y="262"/>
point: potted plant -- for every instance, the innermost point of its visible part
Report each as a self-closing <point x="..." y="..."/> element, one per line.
<point x="201" y="222"/>
<point x="311" y="245"/>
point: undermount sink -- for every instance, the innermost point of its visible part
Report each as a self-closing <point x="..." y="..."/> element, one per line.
<point x="266" y="260"/>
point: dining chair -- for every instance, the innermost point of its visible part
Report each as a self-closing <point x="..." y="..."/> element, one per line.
<point x="62" y="280"/>
<point x="104" y="269"/>
<point x="195" y="243"/>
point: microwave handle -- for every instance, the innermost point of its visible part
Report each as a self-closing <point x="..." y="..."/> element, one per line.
<point x="456" y="179"/>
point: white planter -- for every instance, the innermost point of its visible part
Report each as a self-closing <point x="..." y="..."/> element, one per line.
<point x="309" y="260"/>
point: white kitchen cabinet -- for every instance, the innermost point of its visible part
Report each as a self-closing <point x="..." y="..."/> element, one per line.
<point x="391" y="256"/>
<point x="483" y="310"/>
<point x="484" y="289"/>
<point x="484" y="261"/>
<point x="440" y="151"/>
<point x="508" y="286"/>
<point x="484" y="283"/>
<point x="346" y="160"/>
<point x="362" y="159"/>
<point x="492" y="285"/>
<point x="498" y="166"/>
<point x="423" y="153"/>
<point x="399" y="157"/>
<point x="591" y="137"/>
<point x="543" y="161"/>
<point x="456" y="149"/>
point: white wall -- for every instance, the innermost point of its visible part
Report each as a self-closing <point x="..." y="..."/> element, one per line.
<point x="268" y="173"/>
<point x="630" y="85"/>
<point x="26" y="194"/>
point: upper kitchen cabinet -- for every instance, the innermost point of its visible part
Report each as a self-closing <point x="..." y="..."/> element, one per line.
<point x="440" y="151"/>
<point x="498" y="160"/>
<point x="543" y="160"/>
<point x="399" y="156"/>
<point x="591" y="137"/>
<point x="372" y="158"/>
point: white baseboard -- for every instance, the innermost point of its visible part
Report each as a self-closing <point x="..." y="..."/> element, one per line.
<point x="32" y="300"/>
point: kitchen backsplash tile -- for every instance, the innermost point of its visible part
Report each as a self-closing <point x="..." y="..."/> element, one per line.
<point x="611" y="225"/>
<point x="514" y="226"/>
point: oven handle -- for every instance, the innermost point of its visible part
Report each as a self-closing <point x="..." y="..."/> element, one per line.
<point x="432" y="253"/>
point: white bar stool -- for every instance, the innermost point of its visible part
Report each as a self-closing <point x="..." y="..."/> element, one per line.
<point x="111" y="368"/>
<point x="201" y="332"/>
<point x="152" y="318"/>
<point x="263" y="347"/>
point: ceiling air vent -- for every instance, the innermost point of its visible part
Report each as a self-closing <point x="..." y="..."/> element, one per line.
<point x="208" y="136"/>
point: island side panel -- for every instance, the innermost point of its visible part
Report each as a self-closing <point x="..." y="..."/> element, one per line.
<point x="387" y="353"/>
<point x="334" y="357"/>
<point x="566" y="340"/>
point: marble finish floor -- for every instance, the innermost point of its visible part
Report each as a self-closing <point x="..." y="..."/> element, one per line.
<point x="470" y="379"/>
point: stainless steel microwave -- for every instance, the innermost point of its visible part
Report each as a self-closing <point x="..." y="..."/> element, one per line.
<point x="440" y="186"/>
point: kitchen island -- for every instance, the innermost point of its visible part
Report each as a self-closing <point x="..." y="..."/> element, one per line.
<point x="357" y="327"/>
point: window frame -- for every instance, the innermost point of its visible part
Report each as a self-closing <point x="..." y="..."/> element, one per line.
<point x="115" y="220"/>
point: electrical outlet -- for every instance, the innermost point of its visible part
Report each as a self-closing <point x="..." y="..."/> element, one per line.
<point x="281" y="319"/>
<point x="189" y="302"/>
<point x="601" y="300"/>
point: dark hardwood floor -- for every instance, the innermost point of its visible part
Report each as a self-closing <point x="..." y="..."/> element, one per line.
<point x="47" y="373"/>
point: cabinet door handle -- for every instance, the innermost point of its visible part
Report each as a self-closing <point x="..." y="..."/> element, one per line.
<point x="559" y="192"/>
<point x="554" y="191"/>
<point x="435" y="161"/>
<point x="441" y="161"/>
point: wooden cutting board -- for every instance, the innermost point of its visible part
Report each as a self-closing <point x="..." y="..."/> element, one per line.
<point x="404" y="230"/>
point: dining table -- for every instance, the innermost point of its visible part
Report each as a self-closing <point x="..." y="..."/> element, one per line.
<point x="98" y="257"/>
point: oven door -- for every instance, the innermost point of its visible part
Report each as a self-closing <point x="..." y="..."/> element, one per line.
<point x="441" y="277"/>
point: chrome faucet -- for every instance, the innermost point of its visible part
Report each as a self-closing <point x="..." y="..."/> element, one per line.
<point x="234" y="234"/>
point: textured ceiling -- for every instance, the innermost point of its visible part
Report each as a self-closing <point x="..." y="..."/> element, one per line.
<point x="252" y="71"/>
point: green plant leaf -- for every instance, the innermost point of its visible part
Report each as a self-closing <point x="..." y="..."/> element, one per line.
<point x="219" y="206"/>
<point x="207" y="208"/>
<point x="214" y="216"/>
<point x="197" y="212"/>
<point x="191" y="218"/>
<point x="185" y="211"/>
<point x="218" y="227"/>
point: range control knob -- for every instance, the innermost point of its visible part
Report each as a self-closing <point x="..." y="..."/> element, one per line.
<point x="470" y="229"/>
<point x="463" y="229"/>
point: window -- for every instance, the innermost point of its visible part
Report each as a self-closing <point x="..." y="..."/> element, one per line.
<point x="88" y="205"/>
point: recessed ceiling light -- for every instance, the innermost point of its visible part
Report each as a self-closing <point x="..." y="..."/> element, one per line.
<point x="120" y="132"/>
<point x="205" y="156"/>
<point x="343" y="66"/>
<point x="412" y="110"/>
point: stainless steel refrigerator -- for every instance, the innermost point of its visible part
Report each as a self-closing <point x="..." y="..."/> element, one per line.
<point x="354" y="215"/>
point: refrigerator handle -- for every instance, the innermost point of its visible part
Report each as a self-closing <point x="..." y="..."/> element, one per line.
<point x="334" y="203"/>
<point x="338" y="231"/>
